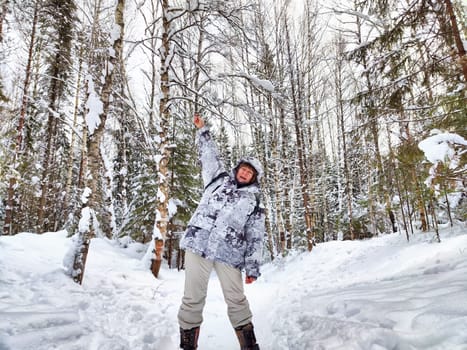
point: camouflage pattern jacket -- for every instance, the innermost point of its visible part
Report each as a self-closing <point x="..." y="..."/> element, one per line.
<point x="228" y="225"/>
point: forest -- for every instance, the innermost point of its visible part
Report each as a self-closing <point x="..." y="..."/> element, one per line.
<point x="336" y="98"/>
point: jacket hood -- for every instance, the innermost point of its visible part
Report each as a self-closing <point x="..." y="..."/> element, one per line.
<point x="253" y="162"/>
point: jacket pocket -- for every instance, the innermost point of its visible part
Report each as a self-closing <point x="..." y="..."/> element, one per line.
<point x="203" y="220"/>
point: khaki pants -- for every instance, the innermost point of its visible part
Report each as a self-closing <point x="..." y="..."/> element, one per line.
<point x="197" y="271"/>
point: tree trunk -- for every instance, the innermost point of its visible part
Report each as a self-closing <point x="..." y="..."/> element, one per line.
<point x="417" y="188"/>
<point x="348" y="184"/>
<point x="3" y="11"/>
<point x="94" y="159"/>
<point x="278" y="185"/>
<point x="300" y="144"/>
<point x="434" y="218"/>
<point x="396" y="178"/>
<point x="162" y="214"/>
<point x="399" y="193"/>
<point x="285" y="178"/>
<point x="457" y="38"/>
<point x="420" y="201"/>
<point x="157" y="260"/>
<point x="68" y="207"/>
<point x="341" y="124"/>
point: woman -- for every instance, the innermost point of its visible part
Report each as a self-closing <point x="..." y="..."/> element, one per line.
<point x="225" y="234"/>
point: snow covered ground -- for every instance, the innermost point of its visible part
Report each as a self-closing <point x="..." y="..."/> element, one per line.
<point x="382" y="293"/>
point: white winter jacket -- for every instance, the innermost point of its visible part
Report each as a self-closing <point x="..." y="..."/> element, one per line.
<point x="228" y="225"/>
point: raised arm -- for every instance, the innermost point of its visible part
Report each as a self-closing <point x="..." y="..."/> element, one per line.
<point x="211" y="163"/>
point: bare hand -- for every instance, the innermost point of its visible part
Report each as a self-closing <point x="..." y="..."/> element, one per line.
<point x="198" y="121"/>
<point x="249" y="279"/>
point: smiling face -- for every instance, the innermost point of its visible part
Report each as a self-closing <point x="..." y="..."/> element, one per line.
<point x="245" y="174"/>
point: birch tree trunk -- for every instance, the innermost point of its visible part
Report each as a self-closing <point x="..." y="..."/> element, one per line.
<point x="285" y="180"/>
<point x="94" y="159"/>
<point x="162" y="214"/>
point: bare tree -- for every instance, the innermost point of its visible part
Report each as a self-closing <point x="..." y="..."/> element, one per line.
<point x="338" y="83"/>
<point x="298" y="123"/>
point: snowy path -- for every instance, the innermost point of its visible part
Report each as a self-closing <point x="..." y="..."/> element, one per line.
<point x="372" y="295"/>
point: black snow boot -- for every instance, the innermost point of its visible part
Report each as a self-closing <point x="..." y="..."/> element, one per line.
<point x="189" y="338"/>
<point x="246" y="337"/>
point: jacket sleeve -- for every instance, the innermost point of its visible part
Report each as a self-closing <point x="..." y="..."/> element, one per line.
<point x="209" y="156"/>
<point x="255" y="231"/>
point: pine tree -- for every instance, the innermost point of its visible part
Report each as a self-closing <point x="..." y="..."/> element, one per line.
<point x="59" y="19"/>
<point x="224" y="147"/>
<point x="185" y="184"/>
<point x="422" y="62"/>
<point x="13" y="219"/>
